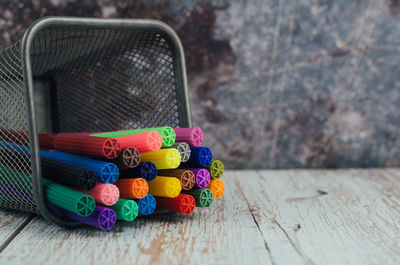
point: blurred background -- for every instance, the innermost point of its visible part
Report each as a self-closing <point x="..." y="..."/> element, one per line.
<point x="274" y="83"/>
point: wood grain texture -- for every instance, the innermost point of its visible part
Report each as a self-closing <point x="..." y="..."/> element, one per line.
<point x="265" y="217"/>
<point x="11" y="223"/>
<point x="329" y="217"/>
<point x="223" y="234"/>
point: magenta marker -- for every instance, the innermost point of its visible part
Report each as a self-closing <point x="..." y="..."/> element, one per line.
<point x="202" y="177"/>
<point x="193" y="136"/>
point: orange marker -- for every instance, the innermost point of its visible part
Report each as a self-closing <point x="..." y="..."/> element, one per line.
<point x="136" y="188"/>
<point x="217" y="187"/>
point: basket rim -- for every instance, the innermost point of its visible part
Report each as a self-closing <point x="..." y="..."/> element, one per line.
<point x="109" y="23"/>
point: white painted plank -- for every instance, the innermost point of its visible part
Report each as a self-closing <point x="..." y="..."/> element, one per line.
<point x="356" y="222"/>
<point x="224" y="234"/>
<point x="10" y="222"/>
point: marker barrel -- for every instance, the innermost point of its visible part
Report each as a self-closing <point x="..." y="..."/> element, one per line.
<point x="193" y="136"/>
<point x="202" y="177"/>
<point x="135" y="188"/>
<point x="18" y="137"/>
<point x="147" y="205"/>
<point x="68" y="199"/>
<point x="67" y="174"/>
<point x="199" y="157"/>
<point x="13" y="193"/>
<point x="216" y="169"/>
<point x="166" y="132"/>
<point x="88" y="145"/>
<point x="182" y="204"/>
<point x="143" y="142"/>
<point x="186" y="177"/>
<point x="14" y="147"/>
<point x="217" y="187"/>
<point x="183" y="149"/>
<point x="125" y="210"/>
<point x="105" y="172"/>
<point x="16" y="159"/>
<point x="202" y="197"/>
<point x="128" y="158"/>
<point x="14" y="177"/>
<point x="165" y="187"/>
<point x="46" y="140"/>
<point x="104" y="193"/>
<point x="102" y="217"/>
<point x="163" y="159"/>
<point x="146" y="170"/>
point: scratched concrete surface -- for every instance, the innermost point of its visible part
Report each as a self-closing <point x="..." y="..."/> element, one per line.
<point x="274" y="84"/>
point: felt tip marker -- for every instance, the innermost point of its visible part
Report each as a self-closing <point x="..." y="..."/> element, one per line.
<point x="167" y="134"/>
<point x="217" y="187"/>
<point x="165" y="187"/>
<point x="102" y="217"/>
<point x="104" y="193"/>
<point x="182" y="204"/>
<point x="203" y="197"/>
<point x="105" y="171"/>
<point x="125" y="210"/>
<point x="193" y="136"/>
<point x="135" y="188"/>
<point x="163" y="159"/>
<point x="186" y="177"/>
<point x="146" y="170"/>
<point x="147" y="205"/>
<point x="199" y="157"/>
<point x="216" y="169"/>
<point x="87" y="145"/>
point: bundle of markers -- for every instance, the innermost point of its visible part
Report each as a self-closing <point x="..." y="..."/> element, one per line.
<point x="101" y="177"/>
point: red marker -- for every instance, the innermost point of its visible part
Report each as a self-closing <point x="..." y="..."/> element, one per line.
<point x="88" y="145"/>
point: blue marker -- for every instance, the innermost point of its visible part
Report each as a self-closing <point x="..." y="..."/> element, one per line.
<point x="147" y="205"/>
<point x="199" y="157"/>
<point x="146" y="170"/>
<point x="105" y="171"/>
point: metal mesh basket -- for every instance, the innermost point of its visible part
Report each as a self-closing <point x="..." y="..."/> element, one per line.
<point x="78" y="75"/>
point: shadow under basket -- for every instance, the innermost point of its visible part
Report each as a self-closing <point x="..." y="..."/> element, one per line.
<point x="83" y="75"/>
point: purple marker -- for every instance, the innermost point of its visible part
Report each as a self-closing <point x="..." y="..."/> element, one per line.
<point x="202" y="177"/>
<point x="102" y="217"/>
<point x="193" y="136"/>
<point x="15" y="192"/>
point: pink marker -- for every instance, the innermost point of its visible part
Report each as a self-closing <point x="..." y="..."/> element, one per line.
<point x="193" y="136"/>
<point x="104" y="193"/>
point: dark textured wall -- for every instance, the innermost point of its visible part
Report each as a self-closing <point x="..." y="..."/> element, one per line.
<point x="274" y="84"/>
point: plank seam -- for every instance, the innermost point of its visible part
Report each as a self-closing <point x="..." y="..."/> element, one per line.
<point x="306" y="259"/>
<point x="16" y="232"/>
<point x="258" y="227"/>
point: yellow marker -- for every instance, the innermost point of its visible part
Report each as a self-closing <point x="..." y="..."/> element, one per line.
<point x="217" y="187"/>
<point x="163" y="159"/>
<point x="165" y="187"/>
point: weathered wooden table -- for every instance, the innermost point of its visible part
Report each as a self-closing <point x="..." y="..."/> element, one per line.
<point x="265" y="217"/>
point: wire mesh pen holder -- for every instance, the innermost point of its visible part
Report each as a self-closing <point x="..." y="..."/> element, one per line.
<point x="80" y="75"/>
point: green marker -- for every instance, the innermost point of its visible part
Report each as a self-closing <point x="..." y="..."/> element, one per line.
<point x="167" y="134"/>
<point x="126" y="210"/>
<point x="216" y="169"/>
<point x="59" y="195"/>
<point x="68" y="199"/>
<point x="14" y="177"/>
<point x="203" y="197"/>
